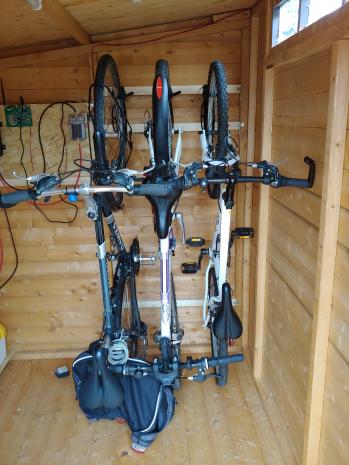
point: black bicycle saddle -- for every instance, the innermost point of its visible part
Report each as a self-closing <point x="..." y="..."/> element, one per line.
<point x="100" y="389"/>
<point x="162" y="205"/>
<point x="227" y="324"/>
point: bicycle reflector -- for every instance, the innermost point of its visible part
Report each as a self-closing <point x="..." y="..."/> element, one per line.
<point x="159" y="87"/>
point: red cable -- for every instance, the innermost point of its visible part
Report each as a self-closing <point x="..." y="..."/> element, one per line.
<point x="166" y="36"/>
<point x="1" y="255"/>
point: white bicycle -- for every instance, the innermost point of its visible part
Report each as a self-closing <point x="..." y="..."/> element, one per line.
<point x="222" y="167"/>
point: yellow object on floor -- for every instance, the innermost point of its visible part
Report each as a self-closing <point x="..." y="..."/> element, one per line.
<point x="2" y="343"/>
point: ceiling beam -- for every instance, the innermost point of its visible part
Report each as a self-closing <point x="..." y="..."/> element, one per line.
<point x="64" y="19"/>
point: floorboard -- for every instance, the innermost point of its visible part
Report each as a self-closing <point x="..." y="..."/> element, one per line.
<point x="41" y="424"/>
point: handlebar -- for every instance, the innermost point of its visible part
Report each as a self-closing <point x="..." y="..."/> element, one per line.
<point x="270" y="176"/>
<point x="140" y="368"/>
<point x="45" y="184"/>
<point x="158" y="190"/>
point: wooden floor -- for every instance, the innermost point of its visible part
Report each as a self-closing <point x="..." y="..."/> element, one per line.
<point x="41" y="424"/>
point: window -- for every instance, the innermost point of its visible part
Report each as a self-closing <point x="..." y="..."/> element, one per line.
<point x="291" y="16"/>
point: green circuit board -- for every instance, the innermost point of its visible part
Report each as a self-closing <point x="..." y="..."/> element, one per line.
<point x="16" y="117"/>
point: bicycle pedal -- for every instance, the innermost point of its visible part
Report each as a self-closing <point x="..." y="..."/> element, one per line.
<point x="195" y="241"/>
<point x="190" y="268"/>
<point x="243" y="233"/>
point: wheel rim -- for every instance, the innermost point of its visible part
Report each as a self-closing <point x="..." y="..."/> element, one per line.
<point x="112" y="118"/>
<point x="212" y="112"/>
<point x="126" y="309"/>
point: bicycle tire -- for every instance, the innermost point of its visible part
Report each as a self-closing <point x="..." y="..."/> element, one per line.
<point x="162" y="118"/>
<point x="175" y="327"/>
<point x="109" y="110"/>
<point x="219" y="347"/>
<point x="215" y="116"/>
<point x="126" y="312"/>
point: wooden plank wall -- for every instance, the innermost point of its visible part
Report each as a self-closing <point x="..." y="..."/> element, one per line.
<point x="255" y="191"/>
<point x="52" y="306"/>
<point x="299" y="127"/>
<point x="300" y="120"/>
<point x="335" y="427"/>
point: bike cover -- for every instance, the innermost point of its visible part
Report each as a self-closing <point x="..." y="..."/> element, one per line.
<point x="147" y="407"/>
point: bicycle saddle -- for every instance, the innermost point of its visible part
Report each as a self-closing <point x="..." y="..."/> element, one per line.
<point x="162" y="205"/>
<point x="100" y="389"/>
<point x="227" y="324"/>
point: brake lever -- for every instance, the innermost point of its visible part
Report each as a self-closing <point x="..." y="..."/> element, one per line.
<point x="201" y="377"/>
<point x="44" y="182"/>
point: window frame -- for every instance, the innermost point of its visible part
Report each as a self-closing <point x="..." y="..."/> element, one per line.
<point x="303" y="15"/>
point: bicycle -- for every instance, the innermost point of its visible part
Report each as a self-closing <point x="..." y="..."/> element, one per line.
<point x="221" y="160"/>
<point x="161" y="184"/>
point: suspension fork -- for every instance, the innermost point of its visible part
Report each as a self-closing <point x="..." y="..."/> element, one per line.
<point x="113" y="228"/>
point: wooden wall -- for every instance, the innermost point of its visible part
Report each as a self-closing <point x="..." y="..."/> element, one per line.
<point x="299" y="346"/>
<point x="335" y="425"/>
<point x="299" y="126"/>
<point x="260" y="14"/>
<point x="53" y="306"/>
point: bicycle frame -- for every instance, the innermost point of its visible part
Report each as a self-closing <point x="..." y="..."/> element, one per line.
<point x="218" y="258"/>
<point x="96" y="209"/>
<point x="166" y="246"/>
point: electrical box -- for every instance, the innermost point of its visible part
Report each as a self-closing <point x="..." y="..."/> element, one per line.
<point x="18" y="115"/>
<point x="77" y="127"/>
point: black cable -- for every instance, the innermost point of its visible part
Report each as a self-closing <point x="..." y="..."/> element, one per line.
<point x="64" y="141"/>
<point x="58" y="221"/>
<point x="61" y="161"/>
<point x="15" y="250"/>
<point x="40" y="122"/>
<point x="21" y="140"/>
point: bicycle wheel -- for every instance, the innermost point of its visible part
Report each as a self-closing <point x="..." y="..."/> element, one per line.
<point x="110" y="123"/>
<point x="216" y="117"/>
<point x="175" y="329"/>
<point x="127" y="317"/>
<point x="162" y="117"/>
<point x="219" y="347"/>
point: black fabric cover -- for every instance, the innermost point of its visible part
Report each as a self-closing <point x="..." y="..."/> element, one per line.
<point x="227" y="324"/>
<point x="147" y="405"/>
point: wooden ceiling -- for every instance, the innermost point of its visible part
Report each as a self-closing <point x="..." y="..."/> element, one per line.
<point x="64" y="23"/>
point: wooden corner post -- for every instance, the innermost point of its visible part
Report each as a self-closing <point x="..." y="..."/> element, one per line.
<point x="262" y="232"/>
<point x="251" y="129"/>
<point x="326" y="259"/>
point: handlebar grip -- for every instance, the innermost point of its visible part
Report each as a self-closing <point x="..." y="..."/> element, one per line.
<point x="284" y="181"/>
<point x="158" y="190"/>
<point x="224" y="360"/>
<point x="13" y="198"/>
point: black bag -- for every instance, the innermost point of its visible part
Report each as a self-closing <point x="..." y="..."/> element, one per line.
<point x="148" y="406"/>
